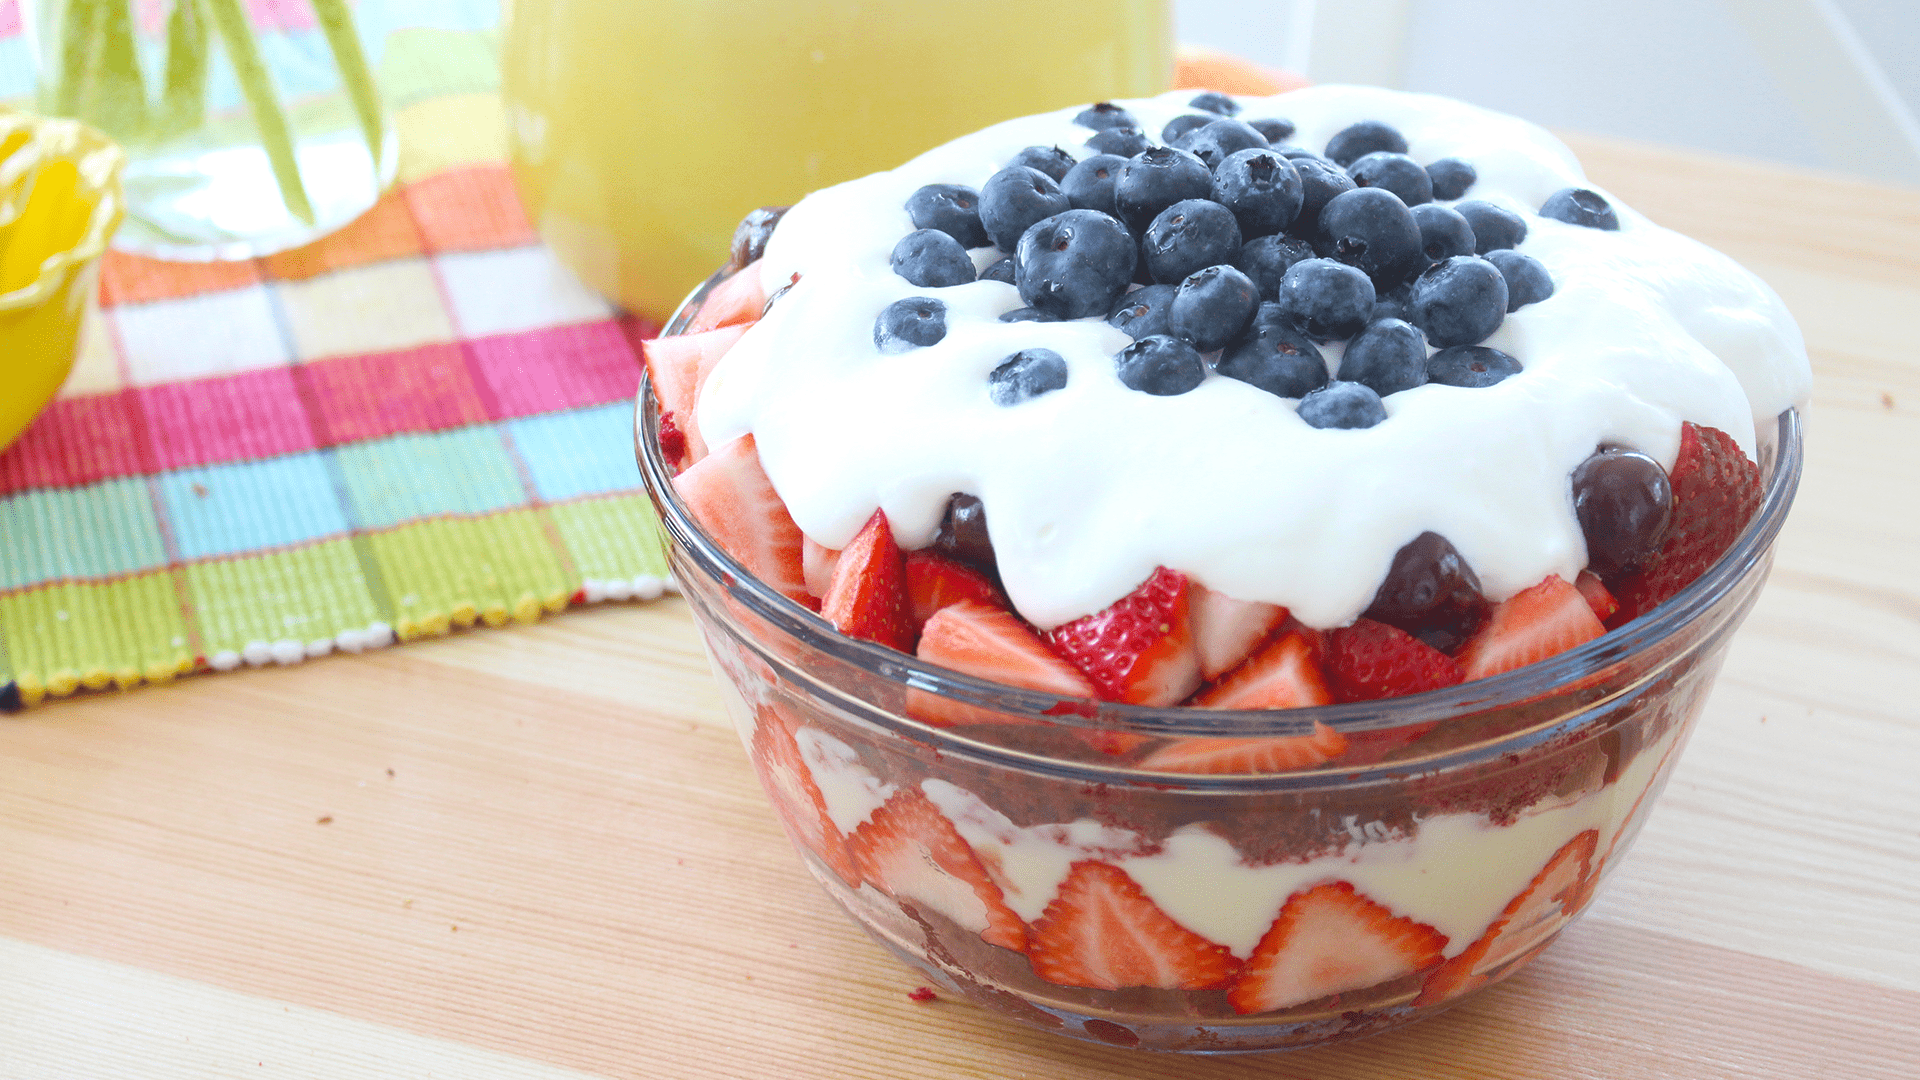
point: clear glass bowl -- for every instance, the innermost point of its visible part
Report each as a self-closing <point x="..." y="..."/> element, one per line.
<point x="1487" y="812"/>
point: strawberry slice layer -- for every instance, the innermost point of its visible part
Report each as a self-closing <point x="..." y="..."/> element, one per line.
<point x="1371" y="660"/>
<point x="679" y="367"/>
<point x="1327" y="940"/>
<point x="1140" y="650"/>
<point x="1284" y="674"/>
<point x="910" y="851"/>
<point x="729" y="494"/>
<point x="1227" y="631"/>
<point x="989" y="643"/>
<point x="935" y="582"/>
<point x="1102" y="931"/>
<point x="867" y="595"/>
<point x="1716" y="491"/>
<point x="816" y="562"/>
<point x="1599" y="598"/>
<point x="738" y="299"/>
<point x="790" y="785"/>
<point x="1537" y="622"/>
<point x="1271" y="754"/>
<point x="1561" y="887"/>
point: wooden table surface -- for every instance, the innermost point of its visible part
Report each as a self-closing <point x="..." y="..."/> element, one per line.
<point x="540" y="852"/>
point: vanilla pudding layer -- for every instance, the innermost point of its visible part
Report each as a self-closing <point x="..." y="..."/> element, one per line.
<point x="1089" y="488"/>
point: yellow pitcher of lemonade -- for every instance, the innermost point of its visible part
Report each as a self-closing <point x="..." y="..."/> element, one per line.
<point x="643" y="130"/>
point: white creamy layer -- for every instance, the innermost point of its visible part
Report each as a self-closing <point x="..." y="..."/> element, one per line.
<point x="1455" y="872"/>
<point x="1089" y="488"/>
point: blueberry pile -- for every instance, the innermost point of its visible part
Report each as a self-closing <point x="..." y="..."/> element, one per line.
<point x="1222" y="250"/>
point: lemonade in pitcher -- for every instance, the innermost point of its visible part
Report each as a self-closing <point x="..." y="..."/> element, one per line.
<point x="643" y="130"/>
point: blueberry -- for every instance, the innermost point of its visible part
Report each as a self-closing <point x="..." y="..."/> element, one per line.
<point x="1460" y="301"/>
<point x="1430" y="592"/>
<point x="1102" y="115"/>
<point x="931" y="259"/>
<point x="1160" y="365"/>
<point x="1395" y="303"/>
<point x="1027" y="314"/>
<point x="915" y="322"/>
<point x="1329" y="300"/>
<point x="1372" y="230"/>
<point x="1026" y="375"/>
<point x="1013" y="199"/>
<point x="1180" y="125"/>
<point x="1121" y="141"/>
<point x="1320" y="182"/>
<point x="1342" y="405"/>
<point x="1275" y="356"/>
<point x="751" y="235"/>
<point x="1048" y="159"/>
<point x="1089" y="185"/>
<point x="1578" y="206"/>
<point x="1358" y="140"/>
<point x="1494" y="227"/>
<point x="1527" y="279"/>
<point x="1295" y="153"/>
<point x="1075" y="264"/>
<point x="1156" y="179"/>
<point x="1215" y="142"/>
<point x="1624" y="503"/>
<point x="962" y="535"/>
<point x="1001" y="270"/>
<point x="1274" y="131"/>
<point x="1451" y="178"/>
<point x="1388" y="356"/>
<point x="1397" y="173"/>
<point x="1443" y="232"/>
<point x="954" y="209"/>
<point x="1266" y="259"/>
<point x="1261" y="188"/>
<point x="1188" y="235"/>
<point x="1143" y="312"/>
<point x="1218" y="104"/>
<point x="1212" y="306"/>
<point x="1470" y="366"/>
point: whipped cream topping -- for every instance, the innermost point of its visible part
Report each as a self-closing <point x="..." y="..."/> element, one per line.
<point x="1089" y="488"/>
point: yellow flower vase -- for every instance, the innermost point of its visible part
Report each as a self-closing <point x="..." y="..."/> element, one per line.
<point x="59" y="204"/>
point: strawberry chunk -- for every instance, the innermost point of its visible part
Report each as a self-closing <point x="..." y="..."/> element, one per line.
<point x="934" y="582"/>
<point x="1598" y="597"/>
<point x="678" y="367"/>
<point x="1226" y="631"/>
<point x="736" y="300"/>
<point x="816" y="564"/>
<point x="1716" y="491"/>
<point x="1285" y="674"/>
<point x="867" y="595"/>
<point x="990" y="643"/>
<point x="1271" y="754"/>
<point x="1371" y="660"/>
<point x="673" y="443"/>
<point x="1140" y="650"/>
<point x="729" y="494"/>
<point x="1102" y="931"/>
<point x="775" y="751"/>
<point x="1327" y="940"/>
<point x="1558" y="891"/>
<point x="1537" y="622"/>
<point x="911" y="852"/>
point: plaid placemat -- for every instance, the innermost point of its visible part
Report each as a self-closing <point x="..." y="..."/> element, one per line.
<point x="419" y="423"/>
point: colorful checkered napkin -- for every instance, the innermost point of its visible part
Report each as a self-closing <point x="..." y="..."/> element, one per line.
<point x="418" y="423"/>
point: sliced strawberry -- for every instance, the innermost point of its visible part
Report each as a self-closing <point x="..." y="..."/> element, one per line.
<point x="866" y="597"/>
<point x="1101" y="931"/>
<point x="789" y="784"/>
<point x="816" y="564"/>
<point x="1270" y="754"/>
<point x="729" y="494"/>
<point x="738" y="299"/>
<point x="1556" y="891"/>
<point x="934" y="582"/>
<point x="1227" y="631"/>
<point x="988" y="643"/>
<point x="678" y="367"/>
<point x="1371" y="660"/>
<point x="1284" y="674"/>
<point x="1327" y="940"/>
<point x="1716" y="491"/>
<point x="910" y="851"/>
<point x="1537" y="622"/>
<point x="673" y="443"/>
<point x="1139" y="650"/>
<point x="1598" y="598"/>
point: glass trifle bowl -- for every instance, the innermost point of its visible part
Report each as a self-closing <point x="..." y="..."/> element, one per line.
<point x="1054" y="859"/>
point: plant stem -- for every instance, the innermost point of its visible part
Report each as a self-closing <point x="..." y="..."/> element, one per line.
<point x="183" y="104"/>
<point x="230" y="20"/>
<point x="336" y="21"/>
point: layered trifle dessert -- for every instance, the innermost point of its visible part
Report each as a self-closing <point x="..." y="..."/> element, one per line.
<point x="1218" y="573"/>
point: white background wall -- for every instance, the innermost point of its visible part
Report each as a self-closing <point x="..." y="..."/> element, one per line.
<point x="1684" y="72"/>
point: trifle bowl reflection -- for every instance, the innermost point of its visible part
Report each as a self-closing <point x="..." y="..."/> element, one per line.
<point x="1188" y="818"/>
